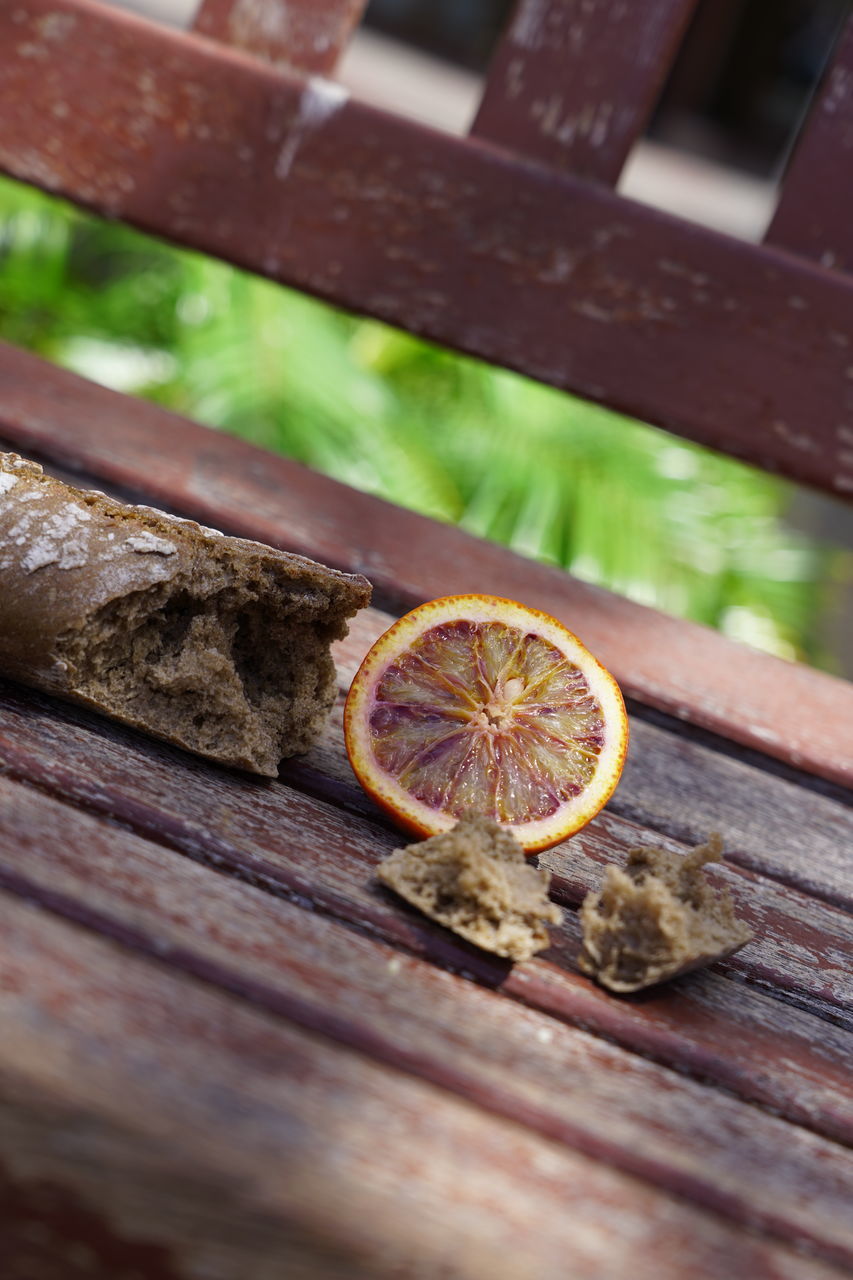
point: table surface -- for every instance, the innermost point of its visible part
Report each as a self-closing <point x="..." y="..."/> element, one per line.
<point x="226" y="1051"/>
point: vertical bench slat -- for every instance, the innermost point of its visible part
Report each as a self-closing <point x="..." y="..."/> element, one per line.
<point x="815" y="213"/>
<point x="308" y="34"/>
<point x="573" y="82"/>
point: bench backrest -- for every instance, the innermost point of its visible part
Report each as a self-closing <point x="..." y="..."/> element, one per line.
<point x="509" y="244"/>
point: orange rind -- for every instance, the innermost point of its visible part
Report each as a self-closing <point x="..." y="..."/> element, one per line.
<point x="475" y="703"/>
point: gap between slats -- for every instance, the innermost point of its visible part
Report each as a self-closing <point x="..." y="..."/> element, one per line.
<point x="621" y="304"/>
<point x="573" y="83"/>
<point x="560" y="1082"/>
<point x="665" y="768"/>
<point x="273" y="838"/>
<point x="677" y="783"/>
<point x="687" y="670"/>
<point x="330" y="779"/>
<point x="711" y="751"/>
<point x="670" y="792"/>
<point x="680" y="788"/>
<point x="234" y="1090"/>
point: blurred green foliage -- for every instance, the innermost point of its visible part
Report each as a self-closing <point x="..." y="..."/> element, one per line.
<point x="617" y="503"/>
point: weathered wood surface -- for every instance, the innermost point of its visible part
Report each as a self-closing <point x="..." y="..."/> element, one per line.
<point x="725" y="1095"/>
<point x="309" y="35"/>
<point x="682" y="787"/>
<point x="814" y="216"/>
<point x="243" y="1121"/>
<point x="563" y="1083"/>
<point x="573" y="83"/>
<point x="688" y="670"/>
<point x="226" y="1052"/>
<point x="258" y="833"/>
<point x="742" y="348"/>
<point x="797" y="957"/>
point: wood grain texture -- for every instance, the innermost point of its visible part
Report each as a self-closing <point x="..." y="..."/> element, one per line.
<point x="309" y="35"/>
<point x="742" y="348"/>
<point x="573" y="83"/>
<point x="802" y="950"/>
<point x="814" y="216"/>
<point x="801" y="947"/>
<point x="173" y="1112"/>
<point x="687" y="789"/>
<point x="322" y="859"/>
<point x="559" y="1081"/>
<point x="225" y="1052"/>
<point x="804" y="946"/>
<point x="674" y="785"/>
<point x="689" y="671"/>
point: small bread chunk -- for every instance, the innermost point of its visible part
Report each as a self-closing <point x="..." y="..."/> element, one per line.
<point x="476" y="880"/>
<point x="216" y="644"/>
<point x="658" y="918"/>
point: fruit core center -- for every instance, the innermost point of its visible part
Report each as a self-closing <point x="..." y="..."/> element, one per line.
<point x="498" y="711"/>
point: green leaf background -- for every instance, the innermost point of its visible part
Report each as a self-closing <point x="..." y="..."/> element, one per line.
<point x="615" y="502"/>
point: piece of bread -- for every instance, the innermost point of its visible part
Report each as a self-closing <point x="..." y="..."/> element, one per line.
<point x="476" y="880"/>
<point x="658" y="918"/>
<point x="216" y="644"/>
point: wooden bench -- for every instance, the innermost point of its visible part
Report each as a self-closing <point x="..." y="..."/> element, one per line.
<point x="224" y="1052"/>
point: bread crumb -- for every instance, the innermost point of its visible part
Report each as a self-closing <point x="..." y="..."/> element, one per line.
<point x="476" y="880"/>
<point x="657" y="918"/>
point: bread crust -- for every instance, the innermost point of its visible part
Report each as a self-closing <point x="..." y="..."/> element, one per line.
<point x="164" y="624"/>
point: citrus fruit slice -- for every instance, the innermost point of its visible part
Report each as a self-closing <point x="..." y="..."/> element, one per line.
<point x="477" y="703"/>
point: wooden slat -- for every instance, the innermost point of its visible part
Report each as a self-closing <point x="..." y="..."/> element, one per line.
<point x="261" y="1075"/>
<point x="687" y="670"/>
<point x="809" y="943"/>
<point x="803" y="944"/>
<point x="815" y="212"/>
<point x="178" y="1118"/>
<point x="317" y="856"/>
<point x="310" y="35"/>
<point x="559" y="1081"/>
<point x="738" y="347"/>
<point x="760" y="816"/>
<point x="676" y="786"/>
<point x="573" y="83"/>
<point x="802" y="947"/>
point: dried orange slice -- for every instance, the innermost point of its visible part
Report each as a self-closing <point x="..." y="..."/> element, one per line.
<point x="478" y="703"/>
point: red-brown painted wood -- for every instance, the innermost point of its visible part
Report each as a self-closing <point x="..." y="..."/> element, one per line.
<point x="573" y="82"/>
<point x="321" y="858"/>
<point x="238" y="1144"/>
<point x="672" y="784"/>
<point x="810" y="942"/>
<point x="802" y="946"/>
<point x="687" y="670"/>
<point x="803" y="942"/>
<point x="815" y="213"/>
<point x="738" y="347"/>
<point x="561" y="1082"/>
<point x="309" y="35"/>
<point x="399" y="1103"/>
